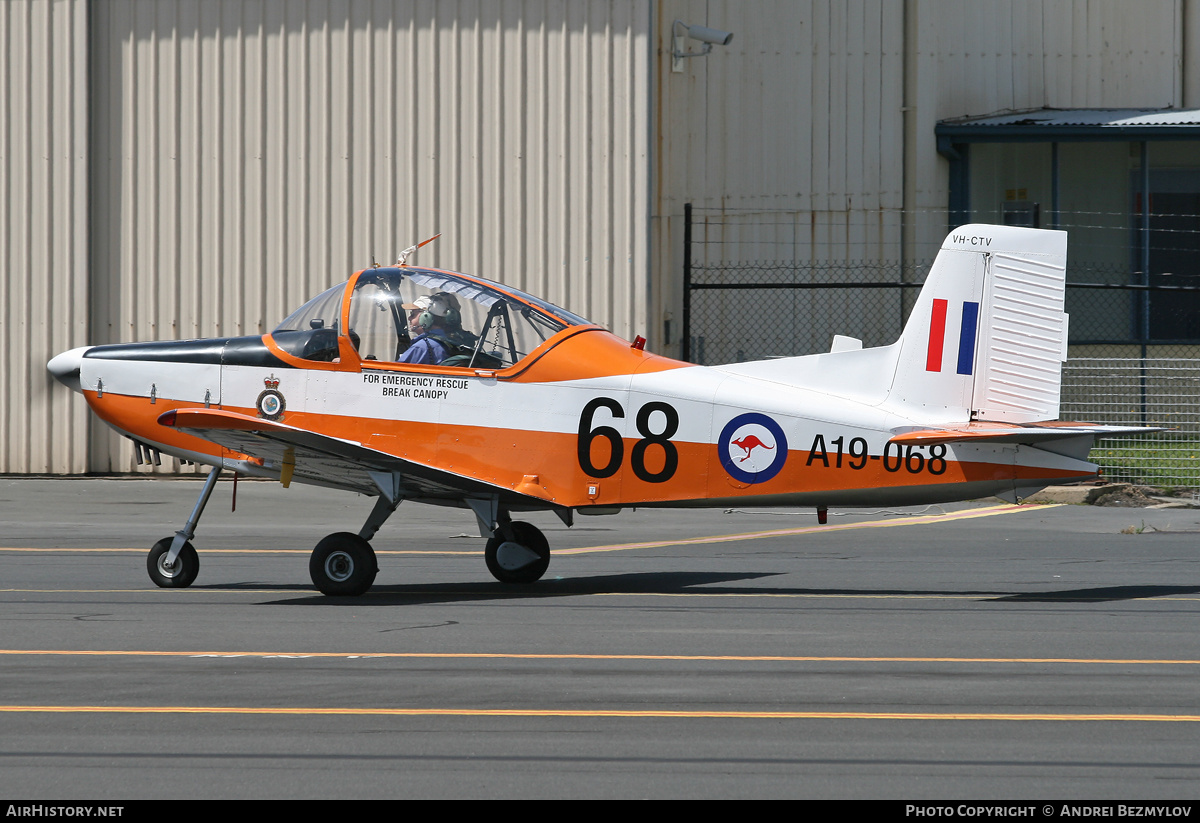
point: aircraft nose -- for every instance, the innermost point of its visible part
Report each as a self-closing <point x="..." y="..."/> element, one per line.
<point x="65" y="367"/>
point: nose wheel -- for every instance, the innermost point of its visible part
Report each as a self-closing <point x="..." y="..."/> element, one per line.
<point x="177" y="569"/>
<point x="517" y="553"/>
<point x="172" y="575"/>
<point x="343" y="564"/>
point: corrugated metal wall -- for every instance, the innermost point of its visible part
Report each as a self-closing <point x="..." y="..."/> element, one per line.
<point x="788" y="141"/>
<point x="801" y="111"/>
<point x="43" y="230"/>
<point x="213" y="163"/>
<point x="251" y="154"/>
<point x="979" y="57"/>
<point x="811" y="136"/>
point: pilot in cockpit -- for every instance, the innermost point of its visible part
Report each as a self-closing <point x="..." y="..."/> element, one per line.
<point x="435" y="324"/>
<point x="427" y="322"/>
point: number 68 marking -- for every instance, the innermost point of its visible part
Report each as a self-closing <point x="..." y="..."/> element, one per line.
<point x="637" y="457"/>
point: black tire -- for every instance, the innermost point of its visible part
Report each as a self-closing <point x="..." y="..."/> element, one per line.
<point x="179" y="575"/>
<point x="343" y="564"/>
<point x="527" y="536"/>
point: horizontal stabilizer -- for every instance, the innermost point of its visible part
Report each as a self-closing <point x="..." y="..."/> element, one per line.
<point x="1010" y="433"/>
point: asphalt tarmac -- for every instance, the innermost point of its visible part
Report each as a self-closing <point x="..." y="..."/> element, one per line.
<point x="974" y="651"/>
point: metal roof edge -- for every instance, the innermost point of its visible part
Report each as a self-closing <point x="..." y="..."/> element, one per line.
<point x="1070" y="125"/>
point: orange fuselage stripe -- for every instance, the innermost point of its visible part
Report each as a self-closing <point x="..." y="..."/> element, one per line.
<point x="506" y="457"/>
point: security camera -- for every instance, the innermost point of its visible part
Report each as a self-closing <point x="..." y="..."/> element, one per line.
<point x="709" y="37"/>
<point x="706" y="35"/>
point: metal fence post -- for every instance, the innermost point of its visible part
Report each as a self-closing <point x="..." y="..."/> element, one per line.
<point x="686" y="343"/>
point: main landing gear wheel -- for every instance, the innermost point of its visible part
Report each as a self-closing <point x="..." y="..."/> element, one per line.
<point x="343" y="564"/>
<point x="521" y="559"/>
<point x="178" y="575"/>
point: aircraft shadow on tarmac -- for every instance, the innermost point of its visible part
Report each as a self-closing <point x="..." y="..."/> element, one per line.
<point x="641" y="583"/>
<point x="682" y="583"/>
<point x="1098" y="595"/>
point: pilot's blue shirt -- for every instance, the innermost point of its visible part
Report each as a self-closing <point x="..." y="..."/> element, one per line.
<point x="429" y="348"/>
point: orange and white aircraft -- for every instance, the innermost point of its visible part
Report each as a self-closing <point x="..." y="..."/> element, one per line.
<point x="409" y="383"/>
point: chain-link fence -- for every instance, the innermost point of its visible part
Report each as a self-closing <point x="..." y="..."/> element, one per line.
<point x="1134" y="354"/>
<point x="766" y="310"/>
<point x="751" y="311"/>
<point x="1151" y="391"/>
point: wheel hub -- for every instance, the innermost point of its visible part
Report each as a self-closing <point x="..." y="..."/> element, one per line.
<point x="339" y="566"/>
<point x="512" y="556"/>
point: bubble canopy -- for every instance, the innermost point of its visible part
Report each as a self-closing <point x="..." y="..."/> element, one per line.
<point x="482" y="324"/>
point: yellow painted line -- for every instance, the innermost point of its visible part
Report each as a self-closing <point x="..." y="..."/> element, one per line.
<point x="597" y="713"/>
<point x="577" y="656"/>
<point x="919" y="520"/>
<point x="966" y="514"/>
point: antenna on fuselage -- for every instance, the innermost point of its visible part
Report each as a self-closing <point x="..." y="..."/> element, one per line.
<point x="403" y="258"/>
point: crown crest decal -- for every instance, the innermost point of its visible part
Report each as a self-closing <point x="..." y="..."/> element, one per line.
<point x="271" y="382"/>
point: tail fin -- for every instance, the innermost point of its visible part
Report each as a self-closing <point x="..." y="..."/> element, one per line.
<point x="988" y="334"/>
<point x="985" y="340"/>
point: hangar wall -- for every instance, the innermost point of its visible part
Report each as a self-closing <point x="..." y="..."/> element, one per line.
<point x="247" y="155"/>
<point x="43" y="230"/>
<point x="173" y="168"/>
<point x="810" y="137"/>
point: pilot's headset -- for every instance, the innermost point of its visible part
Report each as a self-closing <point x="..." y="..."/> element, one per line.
<point x="437" y="306"/>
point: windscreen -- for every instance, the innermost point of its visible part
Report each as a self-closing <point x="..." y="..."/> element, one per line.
<point x="394" y="310"/>
<point x="322" y="312"/>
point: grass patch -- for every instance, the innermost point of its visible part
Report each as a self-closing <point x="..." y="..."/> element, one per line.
<point x="1147" y="461"/>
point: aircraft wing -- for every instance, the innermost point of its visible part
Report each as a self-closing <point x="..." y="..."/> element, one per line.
<point x="320" y="460"/>
<point x="1011" y="433"/>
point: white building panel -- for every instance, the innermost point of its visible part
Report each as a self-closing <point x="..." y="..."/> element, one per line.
<point x="262" y="152"/>
<point x="186" y="168"/>
<point x="43" y="231"/>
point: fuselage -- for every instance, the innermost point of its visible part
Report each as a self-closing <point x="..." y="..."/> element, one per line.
<point x="421" y="384"/>
<point x="584" y="421"/>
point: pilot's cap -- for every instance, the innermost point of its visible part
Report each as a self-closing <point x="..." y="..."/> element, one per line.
<point x="439" y="305"/>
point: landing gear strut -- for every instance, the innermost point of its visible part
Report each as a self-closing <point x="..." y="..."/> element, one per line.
<point x="173" y="562"/>
<point x="344" y="564"/>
